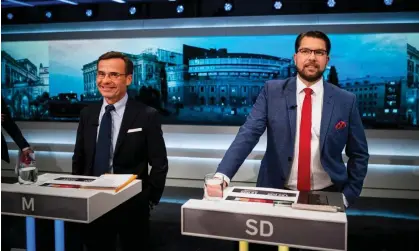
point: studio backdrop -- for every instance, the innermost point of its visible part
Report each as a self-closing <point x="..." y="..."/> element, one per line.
<point x="210" y="80"/>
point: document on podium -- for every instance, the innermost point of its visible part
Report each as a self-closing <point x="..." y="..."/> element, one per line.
<point x="68" y="181"/>
<point x="110" y="182"/>
<point x="320" y="201"/>
<point x="277" y="197"/>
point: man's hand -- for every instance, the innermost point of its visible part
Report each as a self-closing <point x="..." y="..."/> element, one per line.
<point x="26" y="151"/>
<point x="215" y="191"/>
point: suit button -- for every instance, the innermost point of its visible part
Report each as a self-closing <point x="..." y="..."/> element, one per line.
<point x="289" y="158"/>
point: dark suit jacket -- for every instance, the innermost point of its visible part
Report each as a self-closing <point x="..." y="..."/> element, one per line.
<point x="275" y="112"/>
<point x="133" y="151"/>
<point x="13" y="130"/>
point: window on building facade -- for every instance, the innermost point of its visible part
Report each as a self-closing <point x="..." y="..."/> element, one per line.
<point x="212" y="100"/>
<point x="410" y="65"/>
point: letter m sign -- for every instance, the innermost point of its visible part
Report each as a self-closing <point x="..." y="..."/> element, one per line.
<point x="28" y="205"/>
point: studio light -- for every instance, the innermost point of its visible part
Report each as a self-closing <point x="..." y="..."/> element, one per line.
<point x="277" y="5"/>
<point x="388" y="2"/>
<point x="10" y="16"/>
<point x="89" y="12"/>
<point x="132" y="10"/>
<point x="68" y="1"/>
<point x="20" y="3"/>
<point x="228" y="6"/>
<point x="331" y="3"/>
<point x="180" y="8"/>
<point x="48" y="14"/>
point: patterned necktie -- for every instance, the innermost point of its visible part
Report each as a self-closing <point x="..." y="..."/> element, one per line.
<point x="304" y="153"/>
<point x="104" y="144"/>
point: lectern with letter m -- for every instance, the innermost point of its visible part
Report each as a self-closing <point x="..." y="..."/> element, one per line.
<point x="60" y="204"/>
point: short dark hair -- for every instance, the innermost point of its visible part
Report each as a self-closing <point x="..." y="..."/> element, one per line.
<point x="129" y="65"/>
<point x="313" y="34"/>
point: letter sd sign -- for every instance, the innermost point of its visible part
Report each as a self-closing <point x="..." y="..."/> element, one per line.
<point x="267" y="229"/>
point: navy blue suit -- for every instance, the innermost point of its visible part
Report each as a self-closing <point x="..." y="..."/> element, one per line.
<point x="275" y="112"/>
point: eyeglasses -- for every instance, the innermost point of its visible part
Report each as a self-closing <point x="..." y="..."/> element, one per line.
<point x="112" y="75"/>
<point x="307" y="52"/>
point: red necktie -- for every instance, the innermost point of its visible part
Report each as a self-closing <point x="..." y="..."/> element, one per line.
<point x="304" y="154"/>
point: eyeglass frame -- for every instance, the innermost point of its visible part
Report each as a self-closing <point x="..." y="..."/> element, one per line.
<point x="311" y="52"/>
<point x="114" y="77"/>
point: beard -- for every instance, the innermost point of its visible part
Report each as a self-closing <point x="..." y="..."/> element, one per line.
<point x="310" y="75"/>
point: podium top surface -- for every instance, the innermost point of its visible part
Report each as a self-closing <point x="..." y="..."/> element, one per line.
<point x="263" y="209"/>
<point x="62" y="192"/>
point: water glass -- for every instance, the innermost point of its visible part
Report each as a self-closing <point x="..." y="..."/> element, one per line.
<point x="26" y="169"/>
<point x="214" y="187"/>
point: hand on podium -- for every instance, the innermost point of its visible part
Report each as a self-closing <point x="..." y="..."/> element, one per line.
<point x="214" y="187"/>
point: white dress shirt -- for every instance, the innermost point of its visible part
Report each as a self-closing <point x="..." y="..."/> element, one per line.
<point x="117" y="116"/>
<point x="319" y="178"/>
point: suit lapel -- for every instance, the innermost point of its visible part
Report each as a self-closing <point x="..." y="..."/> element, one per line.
<point x="290" y="97"/>
<point x="328" y="103"/>
<point x="127" y="120"/>
<point x="92" y="127"/>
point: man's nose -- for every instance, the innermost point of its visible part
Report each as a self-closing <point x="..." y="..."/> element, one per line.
<point x="312" y="56"/>
<point x="106" y="79"/>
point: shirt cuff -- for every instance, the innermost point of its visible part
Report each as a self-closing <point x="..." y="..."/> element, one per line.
<point x="344" y="200"/>
<point x="226" y="179"/>
<point x="26" y="148"/>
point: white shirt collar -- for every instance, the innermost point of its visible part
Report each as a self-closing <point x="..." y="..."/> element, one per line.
<point x="316" y="87"/>
<point x="119" y="106"/>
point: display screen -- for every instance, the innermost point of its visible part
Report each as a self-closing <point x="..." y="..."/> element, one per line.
<point x="210" y="80"/>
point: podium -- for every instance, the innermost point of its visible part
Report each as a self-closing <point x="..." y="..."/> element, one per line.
<point x="264" y="224"/>
<point x="60" y="204"/>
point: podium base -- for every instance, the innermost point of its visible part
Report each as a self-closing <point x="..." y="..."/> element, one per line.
<point x="31" y="237"/>
<point x="59" y="235"/>
<point x="30" y="234"/>
<point x="244" y="246"/>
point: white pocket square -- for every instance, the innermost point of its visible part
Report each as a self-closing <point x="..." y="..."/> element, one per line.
<point x="135" y="130"/>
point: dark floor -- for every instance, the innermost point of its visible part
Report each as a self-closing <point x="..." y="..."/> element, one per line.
<point x="373" y="224"/>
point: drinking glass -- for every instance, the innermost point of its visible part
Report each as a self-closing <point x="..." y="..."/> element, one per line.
<point x="214" y="187"/>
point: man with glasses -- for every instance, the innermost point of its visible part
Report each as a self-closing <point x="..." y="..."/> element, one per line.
<point x="309" y="122"/>
<point x="121" y="136"/>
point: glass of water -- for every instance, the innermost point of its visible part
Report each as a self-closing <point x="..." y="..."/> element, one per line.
<point x="26" y="168"/>
<point x="214" y="187"/>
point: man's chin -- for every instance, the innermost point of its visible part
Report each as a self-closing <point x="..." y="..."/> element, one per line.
<point x="311" y="77"/>
<point x="107" y="94"/>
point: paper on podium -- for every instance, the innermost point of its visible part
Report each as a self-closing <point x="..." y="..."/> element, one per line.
<point x="320" y="201"/>
<point x="273" y="196"/>
<point x="110" y="182"/>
